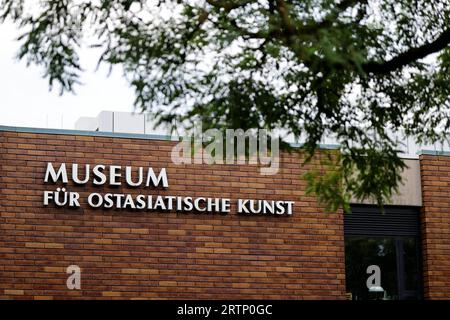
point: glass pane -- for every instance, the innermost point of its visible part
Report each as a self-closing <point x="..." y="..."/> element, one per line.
<point x="411" y="264"/>
<point x="362" y="252"/>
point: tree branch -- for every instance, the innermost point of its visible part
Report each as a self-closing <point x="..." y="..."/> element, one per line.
<point x="245" y="32"/>
<point x="409" y="56"/>
<point x="345" y="4"/>
<point x="330" y="18"/>
<point x="283" y="10"/>
<point x="228" y="5"/>
<point x="290" y="28"/>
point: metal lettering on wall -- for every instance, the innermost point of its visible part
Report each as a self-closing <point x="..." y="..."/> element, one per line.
<point x="146" y="177"/>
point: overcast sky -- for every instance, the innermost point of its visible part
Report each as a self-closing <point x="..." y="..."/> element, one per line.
<point x="27" y="101"/>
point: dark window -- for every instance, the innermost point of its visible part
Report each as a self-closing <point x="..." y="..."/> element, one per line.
<point x="388" y="240"/>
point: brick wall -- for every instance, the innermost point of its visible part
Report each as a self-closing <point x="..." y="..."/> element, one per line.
<point x="124" y="254"/>
<point x="435" y="173"/>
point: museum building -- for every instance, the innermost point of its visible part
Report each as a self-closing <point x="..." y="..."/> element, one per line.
<point x="139" y="226"/>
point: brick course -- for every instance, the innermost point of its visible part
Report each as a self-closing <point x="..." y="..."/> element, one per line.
<point x="150" y="255"/>
<point x="435" y="223"/>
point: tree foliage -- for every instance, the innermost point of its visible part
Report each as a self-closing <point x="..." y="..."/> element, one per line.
<point x="359" y="70"/>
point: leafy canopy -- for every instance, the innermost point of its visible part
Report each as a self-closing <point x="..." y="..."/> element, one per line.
<point x="358" y="70"/>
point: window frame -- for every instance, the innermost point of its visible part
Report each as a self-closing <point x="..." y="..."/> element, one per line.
<point x="397" y="222"/>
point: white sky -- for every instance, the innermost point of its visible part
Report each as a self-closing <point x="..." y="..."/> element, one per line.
<point x="25" y="99"/>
